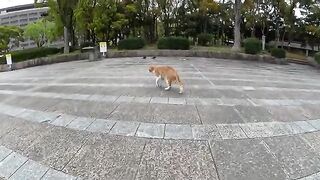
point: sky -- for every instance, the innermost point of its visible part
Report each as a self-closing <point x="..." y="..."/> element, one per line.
<point x="8" y="3"/>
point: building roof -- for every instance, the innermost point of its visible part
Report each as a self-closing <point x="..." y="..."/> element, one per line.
<point x="18" y="8"/>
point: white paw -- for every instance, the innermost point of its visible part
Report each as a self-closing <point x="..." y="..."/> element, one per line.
<point x="167" y="88"/>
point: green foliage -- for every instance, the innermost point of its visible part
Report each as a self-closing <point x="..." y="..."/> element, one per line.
<point x="26" y="54"/>
<point x="7" y="33"/>
<point x="174" y="43"/>
<point x="131" y="43"/>
<point x="317" y="57"/>
<point x="278" y="53"/>
<point x="41" y="32"/>
<point x="204" y="39"/>
<point x="252" y="46"/>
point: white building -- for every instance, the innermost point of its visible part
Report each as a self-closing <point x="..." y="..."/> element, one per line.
<point x="21" y="16"/>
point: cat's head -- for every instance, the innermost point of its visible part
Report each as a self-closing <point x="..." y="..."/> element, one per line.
<point x="151" y="68"/>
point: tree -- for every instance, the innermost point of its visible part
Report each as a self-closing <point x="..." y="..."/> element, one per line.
<point x="237" y="26"/>
<point x="9" y="34"/>
<point x="41" y="32"/>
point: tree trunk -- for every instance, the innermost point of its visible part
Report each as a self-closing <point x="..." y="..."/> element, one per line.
<point x="237" y="24"/>
<point x="66" y="40"/>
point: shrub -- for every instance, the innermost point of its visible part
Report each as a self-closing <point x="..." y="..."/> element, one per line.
<point x="252" y="46"/>
<point x="317" y="57"/>
<point x="278" y="53"/>
<point x="131" y="43"/>
<point x="173" y="43"/>
<point x="204" y="39"/>
<point x="33" y="53"/>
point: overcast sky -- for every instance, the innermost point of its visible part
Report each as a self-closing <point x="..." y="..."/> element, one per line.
<point x="8" y="3"/>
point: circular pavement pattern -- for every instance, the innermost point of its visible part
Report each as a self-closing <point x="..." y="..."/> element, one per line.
<point x="107" y="120"/>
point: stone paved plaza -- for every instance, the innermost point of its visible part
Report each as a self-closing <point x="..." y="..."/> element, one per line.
<point x="237" y="120"/>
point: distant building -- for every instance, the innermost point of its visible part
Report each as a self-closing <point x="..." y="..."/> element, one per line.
<point x="21" y="16"/>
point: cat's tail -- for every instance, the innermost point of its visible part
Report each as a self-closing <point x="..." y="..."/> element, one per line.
<point x="180" y="84"/>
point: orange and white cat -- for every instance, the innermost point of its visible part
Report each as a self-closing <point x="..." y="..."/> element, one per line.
<point x="167" y="73"/>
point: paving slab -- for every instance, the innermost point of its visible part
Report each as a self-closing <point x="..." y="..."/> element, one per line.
<point x="23" y="135"/>
<point x="133" y="112"/>
<point x="175" y="131"/>
<point x="205" y="132"/>
<point x="151" y="130"/>
<point x="231" y="131"/>
<point x="54" y="175"/>
<point x="107" y="157"/>
<point x="287" y="113"/>
<point x="30" y="170"/>
<point x="56" y="148"/>
<point x="11" y="164"/>
<point x="83" y="108"/>
<point x="125" y="128"/>
<point x="36" y="103"/>
<point x="294" y="155"/>
<point x="168" y="159"/>
<point x="254" y="114"/>
<point x="219" y="115"/>
<point x="80" y="123"/>
<point x="175" y="114"/>
<point x="4" y="152"/>
<point x="245" y="159"/>
<point x="101" y="125"/>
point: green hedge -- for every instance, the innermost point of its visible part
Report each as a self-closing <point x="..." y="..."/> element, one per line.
<point x="131" y="43"/>
<point x="317" y="57"/>
<point x="252" y="46"/>
<point x="174" y="43"/>
<point x="33" y="53"/>
<point x="204" y="39"/>
<point x="278" y="53"/>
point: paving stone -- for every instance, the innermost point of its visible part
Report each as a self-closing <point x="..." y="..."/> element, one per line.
<point x="125" y="128"/>
<point x="287" y="113"/>
<point x="278" y="128"/>
<point x="305" y="126"/>
<point x="159" y="100"/>
<point x="245" y="159"/>
<point x="107" y="157"/>
<point x="231" y="131"/>
<point x="133" y="112"/>
<point x="313" y="140"/>
<point x="219" y="114"/>
<point x="205" y="132"/>
<point x="125" y="99"/>
<point x="294" y="155"/>
<point x="168" y="159"/>
<point x="36" y="103"/>
<point x="234" y="102"/>
<point x="254" y="114"/>
<point x="88" y="109"/>
<point x="38" y="116"/>
<point x="4" y="152"/>
<point x="256" y="130"/>
<point x="315" y="123"/>
<point x="7" y="124"/>
<point x="11" y="164"/>
<point x="57" y="147"/>
<point x="179" y="101"/>
<point x="10" y="110"/>
<point x="175" y="114"/>
<point x="63" y="120"/>
<point x="54" y="175"/>
<point x="150" y="130"/>
<point x="101" y="125"/>
<point x="175" y="131"/>
<point x="23" y="135"/>
<point x="315" y="176"/>
<point x="145" y="100"/>
<point x="80" y="123"/>
<point x="30" y="170"/>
